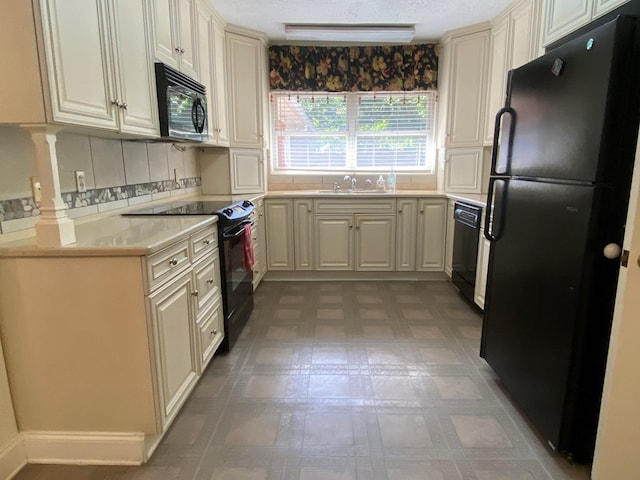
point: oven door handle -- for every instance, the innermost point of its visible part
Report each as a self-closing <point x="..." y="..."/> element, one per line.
<point x="236" y="233"/>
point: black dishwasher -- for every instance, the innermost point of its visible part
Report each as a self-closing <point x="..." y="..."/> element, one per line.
<point x="465" y="247"/>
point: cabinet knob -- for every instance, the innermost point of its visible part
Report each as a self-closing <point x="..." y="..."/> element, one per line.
<point x="207" y="241"/>
<point x="173" y="262"/>
<point x="115" y="102"/>
<point x="124" y="106"/>
<point x="177" y="49"/>
<point x="210" y="281"/>
<point x="181" y="50"/>
<point x="194" y="293"/>
<point x="213" y="332"/>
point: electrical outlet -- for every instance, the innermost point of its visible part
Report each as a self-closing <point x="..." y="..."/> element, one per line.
<point x="35" y="189"/>
<point x="81" y="184"/>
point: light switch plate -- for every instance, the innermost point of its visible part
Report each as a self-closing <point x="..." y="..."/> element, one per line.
<point x="35" y="189"/>
<point x="81" y="184"/>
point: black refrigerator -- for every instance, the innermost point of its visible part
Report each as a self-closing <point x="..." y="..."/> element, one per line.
<point x="561" y="172"/>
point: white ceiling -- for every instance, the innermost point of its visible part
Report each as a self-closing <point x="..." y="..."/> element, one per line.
<point x="432" y="18"/>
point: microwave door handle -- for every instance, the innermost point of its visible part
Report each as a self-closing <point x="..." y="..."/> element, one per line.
<point x="196" y="109"/>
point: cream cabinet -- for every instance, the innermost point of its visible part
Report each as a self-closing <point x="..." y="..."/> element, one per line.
<point x="448" y="255"/>
<point x="245" y="88"/>
<point x="482" y="270"/>
<point x="467" y="80"/>
<point x="279" y="233"/>
<point x="174" y="34"/>
<point x="303" y="233"/>
<point x="406" y="231"/>
<point x="231" y="171"/>
<point x="334" y="242"/>
<point x="565" y="16"/>
<point x="211" y="69"/>
<point x="463" y="170"/>
<point x="99" y="70"/>
<point x="247" y="170"/>
<point x="258" y="241"/>
<point x="432" y="222"/>
<point x="141" y="330"/>
<point x="375" y="242"/>
<point x="514" y="42"/>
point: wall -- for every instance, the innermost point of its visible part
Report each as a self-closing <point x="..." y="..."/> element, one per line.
<point x="118" y="173"/>
<point x="325" y="182"/>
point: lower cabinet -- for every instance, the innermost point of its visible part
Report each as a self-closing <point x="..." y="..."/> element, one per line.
<point x="406" y="232"/>
<point x="482" y="270"/>
<point x="279" y="233"/>
<point x="303" y="233"/>
<point x="175" y="342"/>
<point x="432" y="221"/>
<point x="334" y="242"/>
<point x="375" y="242"/>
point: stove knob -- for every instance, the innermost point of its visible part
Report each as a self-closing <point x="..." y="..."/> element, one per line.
<point x="228" y="211"/>
<point x="247" y="203"/>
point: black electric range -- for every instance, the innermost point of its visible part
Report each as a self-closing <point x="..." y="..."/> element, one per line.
<point x="234" y="243"/>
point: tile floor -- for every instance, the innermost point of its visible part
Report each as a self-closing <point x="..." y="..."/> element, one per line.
<point x="346" y="381"/>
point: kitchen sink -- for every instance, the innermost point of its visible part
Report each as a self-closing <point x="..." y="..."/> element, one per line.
<point x="352" y="192"/>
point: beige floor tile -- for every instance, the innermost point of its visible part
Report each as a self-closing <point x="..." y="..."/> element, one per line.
<point x="438" y="356"/>
<point x="267" y="386"/>
<point x="424" y="332"/>
<point x="387" y="356"/>
<point x="368" y="299"/>
<point x="409" y="473"/>
<point x="254" y="430"/>
<point x="480" y="431"/>
<point x="292" y="300"/>
<point x="330" y="314"/>
<point x="328" y="429"/>
<point x="224" y="473"/>
<point x="393" y="388"/>
<point x="330" y="331"/>
<point x="373" y="314"/>
<point x="275" y="355"/>
<point x="282" y="332"/>
<point x="456" y="388"/>
<point x="329" y="386"/>
<point x="377" y="331"/>
<point x="417" y="313"/>
<point x="330" y="355"/>
<point x="288" y="314"/>
<point x="330" y="299"/>
<point x="404" y="431"/>
<point x="326" y="474"/>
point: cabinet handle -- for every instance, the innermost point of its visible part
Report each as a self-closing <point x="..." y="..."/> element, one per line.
<point x="213" y="332"/>
<point x="173" y="262"/>
<point x="400" y="211"/>
<point x="194" y="293"/>
<point x="207" y="241"/>
<point x="210" y="281"/>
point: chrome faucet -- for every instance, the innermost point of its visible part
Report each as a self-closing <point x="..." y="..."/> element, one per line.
<point x="351" y="179"/>
<point x="368" y="183"/>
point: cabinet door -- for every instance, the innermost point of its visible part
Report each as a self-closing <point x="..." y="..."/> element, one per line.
<point x="79" y="62"/>
<point x="206" y="276"/>
<point x="165" y="32"/>
<point x="211" y="333"/>
<point x="563" y="17"/>
<point x="204" y="30"/>
<point x="481" y="271"/>
<point x="406" y="234"/>
<point x="303" y="232"/>
<point x="463" y="170"/>
<point x="498" y="68"/>
<point x="247" y="171"/>
<point x="279" y="229"/>
<point x="431" y="234"/>
<point x="524" y="28"/>
<point x="375" y="242"/>
<point x="600" y="7"/>
<point x="448" y="258"/>
<point x="134" y="72"/>
<point x="468" y="77"/>
<point x="218" y="94"/>
<point x="334" y="242"/>
<point x="244" y="86"/>
<point x="174" y="339"/>
<point x="187" y="39"/>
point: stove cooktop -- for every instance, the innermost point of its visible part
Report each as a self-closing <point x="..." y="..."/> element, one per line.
<point x="224" y="209"/>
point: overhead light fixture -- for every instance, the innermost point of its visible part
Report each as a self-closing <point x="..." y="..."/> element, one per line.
<point x="350" y="33"/>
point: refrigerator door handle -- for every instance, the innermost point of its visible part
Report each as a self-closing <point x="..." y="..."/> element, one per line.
<point x="496" y="137"/>
<point x="488" y="216"/>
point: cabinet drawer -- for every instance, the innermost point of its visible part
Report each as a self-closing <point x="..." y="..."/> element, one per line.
<point x="207" y="282"/>
<point x="353" y="205"/>
<point x="211" y="333"/>
<point x="204" y="241"/>
<point x="167" y="262"/>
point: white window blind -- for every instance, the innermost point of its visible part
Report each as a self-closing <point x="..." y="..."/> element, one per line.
<point x="353" y="131"/>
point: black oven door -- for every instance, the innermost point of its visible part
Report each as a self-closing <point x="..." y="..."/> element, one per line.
<point x="238" y="273"/>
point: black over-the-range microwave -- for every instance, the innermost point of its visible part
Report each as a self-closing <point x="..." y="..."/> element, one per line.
<point x="182" y="105"/>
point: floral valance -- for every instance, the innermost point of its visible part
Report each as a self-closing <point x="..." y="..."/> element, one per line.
<point x="341" y="69"/>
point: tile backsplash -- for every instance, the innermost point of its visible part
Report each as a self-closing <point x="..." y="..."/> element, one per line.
<point x="118" y="173"/>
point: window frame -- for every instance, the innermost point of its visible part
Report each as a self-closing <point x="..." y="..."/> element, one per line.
<point x="352" y="134"/>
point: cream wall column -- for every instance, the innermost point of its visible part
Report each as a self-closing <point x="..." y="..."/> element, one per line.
<point x="617" y="454"/>
<point x="54" y="228"/>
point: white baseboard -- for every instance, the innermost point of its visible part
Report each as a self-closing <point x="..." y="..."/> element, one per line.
<point x="84" y="448"/>
<point x="12" y="458"/>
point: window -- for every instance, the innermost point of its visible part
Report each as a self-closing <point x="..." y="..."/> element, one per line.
<point x="353" y="131"/>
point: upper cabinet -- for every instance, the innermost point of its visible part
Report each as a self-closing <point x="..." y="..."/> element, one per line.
<point x="245" y="86"/>
<point x="174" y="34"/>
<point x="467" y="76"/>
<point x="211" y="68"/>
<point x="100" y="71"/>
<point x="514" y="42"/>
<point x="564" y="16"/>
